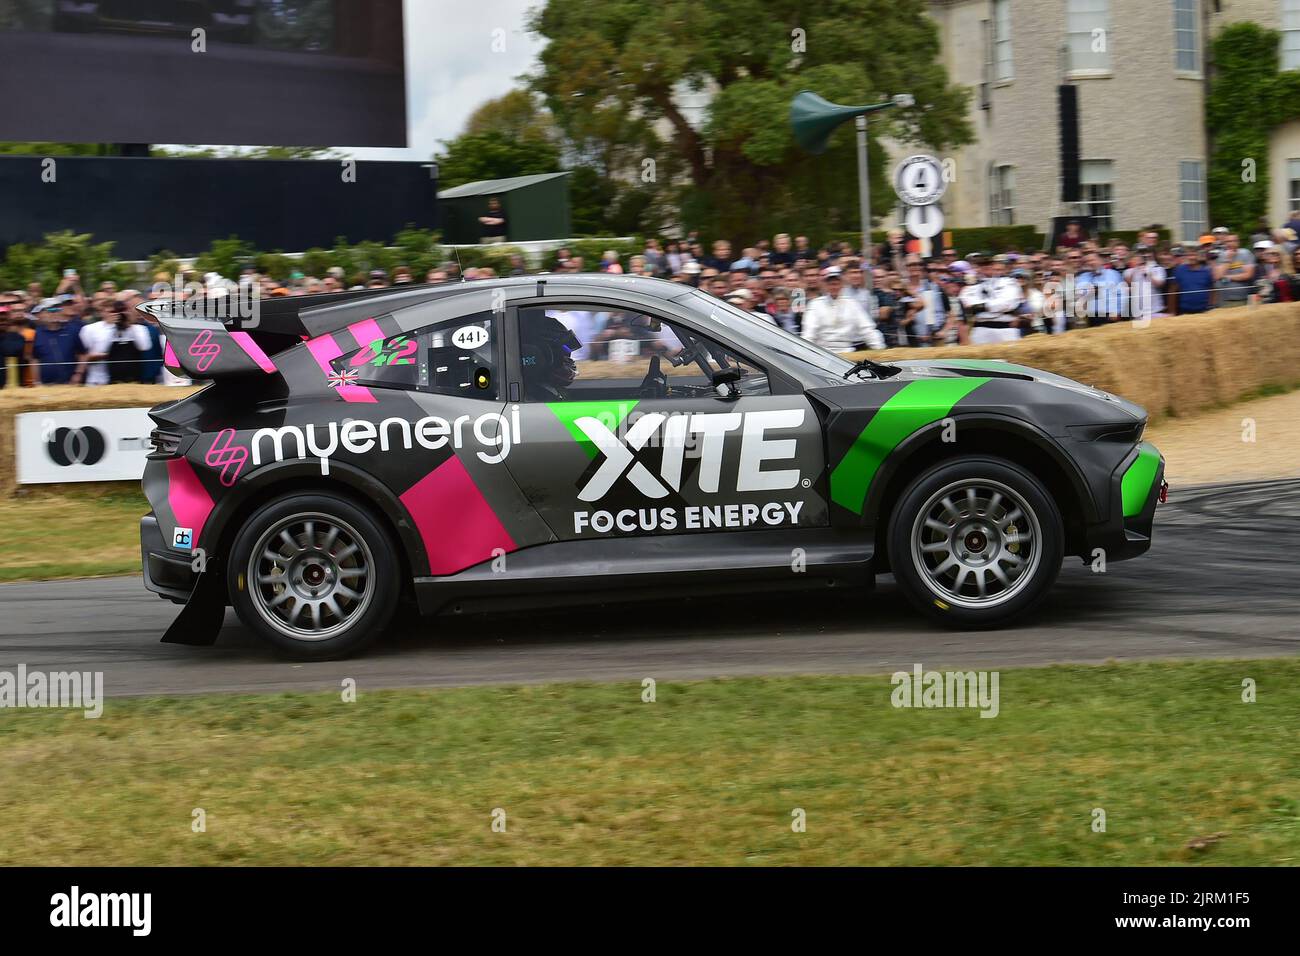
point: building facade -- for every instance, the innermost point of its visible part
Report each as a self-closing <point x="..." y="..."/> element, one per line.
<point x="1140" y="69"/>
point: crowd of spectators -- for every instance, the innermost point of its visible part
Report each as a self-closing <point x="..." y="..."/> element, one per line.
<point x="832" y="295"/>
<point x="72" y="338"/>
<point x="842" y="300"/>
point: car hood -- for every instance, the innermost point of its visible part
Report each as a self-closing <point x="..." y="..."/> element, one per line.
<point x="944" y="368"/>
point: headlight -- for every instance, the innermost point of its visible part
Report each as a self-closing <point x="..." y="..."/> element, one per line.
<point x="1129" y="433"/>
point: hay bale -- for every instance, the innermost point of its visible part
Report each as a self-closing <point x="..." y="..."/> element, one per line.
<point x="1170" y="366"/>
<point x="60" y="398"/>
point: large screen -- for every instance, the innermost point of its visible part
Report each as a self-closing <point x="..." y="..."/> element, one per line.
<point x="147" y="205"/>
<point x="219" y="72"/>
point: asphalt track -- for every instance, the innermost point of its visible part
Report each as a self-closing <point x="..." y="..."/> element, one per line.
<point x="1221" y="581"/>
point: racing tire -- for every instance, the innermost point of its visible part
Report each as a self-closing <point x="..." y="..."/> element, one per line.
<point x="315" y="575"/>
<point x="975" y="542"/>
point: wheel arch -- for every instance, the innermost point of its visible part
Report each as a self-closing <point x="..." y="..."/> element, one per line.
<point x="281" y="478"/>
<point x="1018" y="442"/>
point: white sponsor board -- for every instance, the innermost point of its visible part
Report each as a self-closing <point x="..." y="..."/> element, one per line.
<point x="102" y="444"/>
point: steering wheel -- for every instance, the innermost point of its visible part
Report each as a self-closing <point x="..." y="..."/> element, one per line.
<point x="655" y="383"/>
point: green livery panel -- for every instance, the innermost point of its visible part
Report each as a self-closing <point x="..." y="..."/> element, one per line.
<point x="914" y="406"/>
<point x="608" y="413"/>
<point x="1135" y="487"/>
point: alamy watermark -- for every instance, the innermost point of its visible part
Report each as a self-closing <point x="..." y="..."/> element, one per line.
<point x="77" y="690"/>
<point x="220" y="300"/>
<point x="922" y="688"/>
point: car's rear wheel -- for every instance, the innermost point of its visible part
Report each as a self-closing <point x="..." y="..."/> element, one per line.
<point x="975" y="542"/>
<point x="316" y="575"/>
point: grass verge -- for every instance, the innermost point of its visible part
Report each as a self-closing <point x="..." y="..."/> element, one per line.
<point x="708" y="774"/>
<point x="70" y="535"/>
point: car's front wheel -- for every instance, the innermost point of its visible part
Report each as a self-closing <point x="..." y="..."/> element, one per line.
<point x="316" y="575"/>
<point x="975" y="542"/>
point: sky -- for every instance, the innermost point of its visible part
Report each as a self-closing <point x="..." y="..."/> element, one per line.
<point x="452" y="68"/>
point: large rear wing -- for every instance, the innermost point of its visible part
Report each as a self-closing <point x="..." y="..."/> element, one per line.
<point x="236" y="335"/>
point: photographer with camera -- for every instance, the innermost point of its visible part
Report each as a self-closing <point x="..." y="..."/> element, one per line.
<point x="1146" y="280"/>
<point x="114" y="345"/>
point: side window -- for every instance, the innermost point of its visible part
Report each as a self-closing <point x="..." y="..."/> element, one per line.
<point x="462" y="356"/>
<point x="388" y="363"/>
<point x="455" y="357"/>
<point x="581" y="353"/>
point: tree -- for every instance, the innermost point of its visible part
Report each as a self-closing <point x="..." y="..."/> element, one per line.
<point x="614" y="75"/>
<point x="471" y="157"/>
<point x="44" y="262"/>
<point x="516" y="114"/>
<point x="511" y="135"/>
<point x="508" y="136"/>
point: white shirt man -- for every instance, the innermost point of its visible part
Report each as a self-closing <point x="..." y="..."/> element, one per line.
<point x="836" y="322"/>
<point x="98" y="339"/>
<point x="993" y="302"/>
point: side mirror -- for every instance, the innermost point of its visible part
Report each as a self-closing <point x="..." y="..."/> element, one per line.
<point x="725" y="379"/>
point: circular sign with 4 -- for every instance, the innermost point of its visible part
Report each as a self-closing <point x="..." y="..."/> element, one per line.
<point x="919" y="181"/>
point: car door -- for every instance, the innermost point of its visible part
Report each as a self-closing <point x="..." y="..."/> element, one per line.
<point x="636" y="437"/>
<point x="439" y="431"/>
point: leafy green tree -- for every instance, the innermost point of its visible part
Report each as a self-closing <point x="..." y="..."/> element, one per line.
<point x="614" y="75"/>
<point x="516" y="114"/>
<point x="226" y="257"/>
<point x="419" y="250"/>
<point x="46" y="261"/>
<point x="493" y="155"/>
<point x="590" y="197"/>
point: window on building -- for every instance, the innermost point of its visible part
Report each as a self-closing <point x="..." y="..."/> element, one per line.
<point x="1293" y="183"/>
<point x="1291" y="34"/>
<point x="1187" y="36"/>
<point x="1088" y="35"/>
<point x="1002" y="66"/>
<point x="986" y="78"/>
<point x="1191" y="191"/>
<point x="1002" y="198"/>
<point x="1097" y="177"/>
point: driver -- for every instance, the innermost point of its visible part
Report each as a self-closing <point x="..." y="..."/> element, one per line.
<point x="546" y="352"/>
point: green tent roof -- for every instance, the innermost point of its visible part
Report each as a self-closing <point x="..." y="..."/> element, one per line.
<point x="493" y="187"/>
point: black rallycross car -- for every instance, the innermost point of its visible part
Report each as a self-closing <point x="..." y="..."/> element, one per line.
<point x="576" y="439"/>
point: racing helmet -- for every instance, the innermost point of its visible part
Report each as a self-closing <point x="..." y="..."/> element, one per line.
<point x="546" y="351"/>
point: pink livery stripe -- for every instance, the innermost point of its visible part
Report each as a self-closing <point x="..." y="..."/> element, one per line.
<point x="455" y="521"/>
<point x="365" y="332"/>
<point x="189" y="501"/>
<point x="325" y="350"/>
<point x="253" y="351"/>
<point x="169" y="357"/>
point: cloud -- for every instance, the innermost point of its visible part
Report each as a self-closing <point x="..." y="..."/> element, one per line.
<point x="452" y="68"/>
